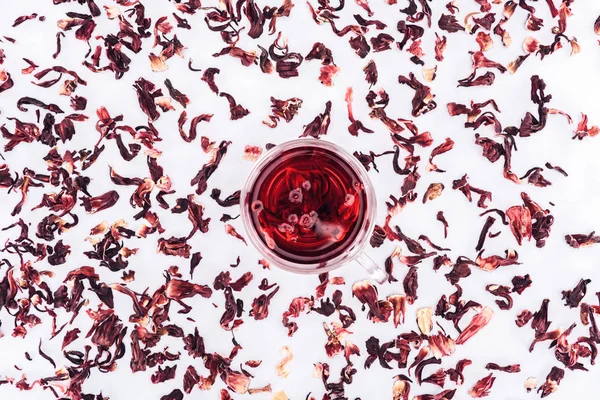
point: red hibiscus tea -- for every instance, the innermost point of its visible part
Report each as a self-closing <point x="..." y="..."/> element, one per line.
<point x="307" y="204"/>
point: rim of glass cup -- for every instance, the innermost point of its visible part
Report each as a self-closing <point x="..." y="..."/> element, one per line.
<point x="361" y="239"/>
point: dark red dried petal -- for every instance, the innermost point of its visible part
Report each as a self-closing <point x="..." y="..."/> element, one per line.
<point x="449" y="23"/>
<point x="320" y="125"/>
<point x="482" y="387"/>
<point x="574" y="296"/>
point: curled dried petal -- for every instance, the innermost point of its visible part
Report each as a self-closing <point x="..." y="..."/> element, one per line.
<point x="282" y="369"/>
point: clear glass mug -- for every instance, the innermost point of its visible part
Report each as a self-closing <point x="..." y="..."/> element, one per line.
<point x="354" y="251"/>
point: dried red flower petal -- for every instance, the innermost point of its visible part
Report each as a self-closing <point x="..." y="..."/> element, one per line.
<point x="320" y="125"/>
<point x="511" y="369"/>
<point x="578" y="240"/>
<point x="247" y="58"/>
<point x="147" y="93"/>
<point x="482" y="387"/>
<point x="440" y="47"/>
<point x="360" y="46"/>
<point x="552" y="381"/>
<point x="574" y="296"/>
<point x="193" y="126"/>
<point x="484" y="40"/>
<point x="449" y="23"/>
<point x="540" y="321"/>
<point x="236" y="110"/>
<point x="94" y="204"/>
<point x="178" y="289"/>
<point x="162" y="375"/>
<point x="440" y="217"/>
<point x="190" y="379"/>
<point x="520" y="222"/>
<point x="355" y="125"/>
<point x="367" y="294"/>
<point x="583" y="130"/>
<point x="437" y="378"/>
<point x="176" y="94"/>
<point x="230" y="230"/>
<point x="422" y="101"/>
<point x="444" y="395"/>
<point x="491" y="263"/>
<point x="70" y="337"/>
<point x="520" y="283"/>
<point x="260" y="305"/>
<point x="371" y="74"/>
<point x="501" y="291"/>
<point x="462" y="185"/>
<point x="456" y="374"/>
<point x="209" y="168"/>
<point x="441" y="149"/>
<point x="175" y="394"/>
<point x="286" y="109"/>
<point x="477" y="323"/>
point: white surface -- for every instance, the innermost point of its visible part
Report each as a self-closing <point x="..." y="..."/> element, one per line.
<point x="573" y="82"/>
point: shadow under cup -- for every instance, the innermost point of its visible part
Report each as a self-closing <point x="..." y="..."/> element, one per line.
<point x="308" y="206"/>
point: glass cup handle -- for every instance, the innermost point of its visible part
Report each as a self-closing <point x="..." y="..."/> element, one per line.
<point x="376" y="272"/>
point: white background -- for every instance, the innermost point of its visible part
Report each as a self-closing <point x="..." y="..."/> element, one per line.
<point x="573" y="82"/>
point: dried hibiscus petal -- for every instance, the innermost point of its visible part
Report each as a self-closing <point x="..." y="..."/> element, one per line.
<point x="456" y="374"/>
<point x="552" y="381"/>
<point x="583" y="130"/>
<point x="209" y="77"/>
<point x="441" y="149"/>
<point x="574" y="296"/>
<point x="178" y="289"/>
<point x="463" y="185"/>
<point x="236" y="110"/>
<point x="371" y="74"/>
<point x="440" y="47"/>
<point x="482" y="387"/>
<point x="209" y="168"/>
<point x="520" y="283"/>
<point x="260" y="305"/>
<point x="511" y="369"/>
<point x="582" y="240"/>
<point x="477" y="323"/>
<point x="94" y="204"/>
<point x="147" y="93"/>
<point x="320" y="125"/>
<point x="367" y="294"/>
<point x="162" y="375"/>
<point x="449" y="23"/>
<point x="501" y="291"/>
<point x="285" y="109"/>
<point x="355" y="125"/>
<point x="491" y="263"/>
<point x="176" y="94"/>
<point x="520" y="222"/>
<point x="422" y="101"/>
<point x="433" y="191"/>
<point x="193" y="125"/>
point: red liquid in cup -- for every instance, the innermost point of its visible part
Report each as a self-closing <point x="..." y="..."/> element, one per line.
<point x="308" y="205"/>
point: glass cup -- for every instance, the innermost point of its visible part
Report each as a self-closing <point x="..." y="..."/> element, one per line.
<point x="353" y="250"/>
